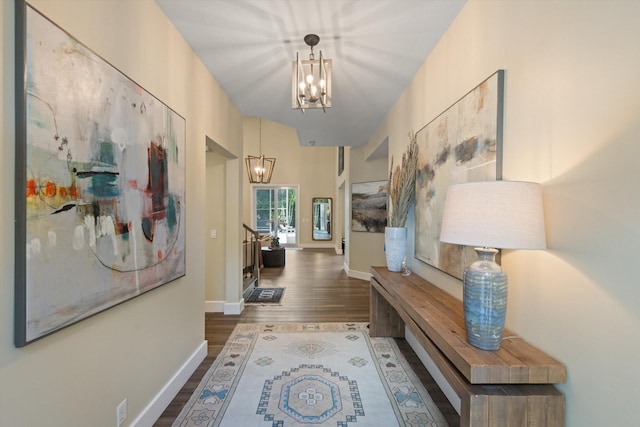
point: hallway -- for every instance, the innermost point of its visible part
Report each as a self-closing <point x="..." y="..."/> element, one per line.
<point x="317" y="290"/>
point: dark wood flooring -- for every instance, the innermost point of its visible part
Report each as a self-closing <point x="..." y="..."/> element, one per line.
<point x="318" y="290"/>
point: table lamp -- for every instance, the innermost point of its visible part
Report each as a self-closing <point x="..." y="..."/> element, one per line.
<point x="491" y="215"/>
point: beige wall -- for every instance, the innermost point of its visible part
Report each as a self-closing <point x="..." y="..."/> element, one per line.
<point x="216" y="247"/>
<point x="365" y="249"/>
<point x="571" y="122"/>
<point x="79" y="375"/>
<point x="314" y="169"/>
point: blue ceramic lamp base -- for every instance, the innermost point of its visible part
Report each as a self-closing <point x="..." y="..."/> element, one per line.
<point x="485" y="301"/>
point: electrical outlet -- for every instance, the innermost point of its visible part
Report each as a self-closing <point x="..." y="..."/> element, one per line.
<point x="213" y="234"/>
<point x="121" y="412"/>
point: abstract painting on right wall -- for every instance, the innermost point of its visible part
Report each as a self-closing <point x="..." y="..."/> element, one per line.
<point x="463" y="144"/>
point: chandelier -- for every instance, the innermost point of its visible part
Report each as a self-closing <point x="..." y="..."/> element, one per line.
<point x="259" y="168"/>
<point x="311" y="79"/>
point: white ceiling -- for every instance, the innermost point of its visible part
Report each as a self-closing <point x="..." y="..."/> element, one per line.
<point x="376" y="47"/>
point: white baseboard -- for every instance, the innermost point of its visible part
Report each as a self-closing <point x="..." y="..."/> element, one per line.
<point x="433" y="370"/>
<point x="317" y="245"/>
<point x="224" y="307"/>
<point x="234" y="308"/>
<point x="214" y="306"/>
<point x="338" y="249"/>
<point x="159" y="403"/>
<point x="358" y="274"/>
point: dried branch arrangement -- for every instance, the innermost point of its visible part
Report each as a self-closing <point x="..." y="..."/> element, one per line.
<point x="402" y="184"/>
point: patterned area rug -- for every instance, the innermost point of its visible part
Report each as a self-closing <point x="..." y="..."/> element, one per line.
<point x="302" y="374"/>
<point x="265" y="296"/>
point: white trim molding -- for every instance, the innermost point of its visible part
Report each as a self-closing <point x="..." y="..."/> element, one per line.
<point x="224" y="307"/>
<point x="357" y="274"/>
<point x="159" y="403"/>
<point x="317" y="245"/>
<point x="234" y="307"/>
<point x="214" y="306"/>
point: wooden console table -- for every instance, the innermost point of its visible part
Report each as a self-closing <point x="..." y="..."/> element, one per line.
<point x="508" y="387"/>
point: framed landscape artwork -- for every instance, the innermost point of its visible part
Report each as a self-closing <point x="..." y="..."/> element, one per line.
<point x="100" y="183"/>
<point x="462" y="144"/>
<point x="369" y="206"/>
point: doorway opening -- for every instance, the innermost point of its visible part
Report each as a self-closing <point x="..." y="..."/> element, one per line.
<point x="275" y="212"/>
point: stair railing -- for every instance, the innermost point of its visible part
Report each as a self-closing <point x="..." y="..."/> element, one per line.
<point x="250" y="256"/>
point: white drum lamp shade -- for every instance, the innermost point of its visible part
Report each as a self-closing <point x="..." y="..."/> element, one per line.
<point x="494" y="214"/>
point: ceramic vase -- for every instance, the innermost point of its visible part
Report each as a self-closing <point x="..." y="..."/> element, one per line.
<point x="485" y="301"/>
<point x="395" y="247"/>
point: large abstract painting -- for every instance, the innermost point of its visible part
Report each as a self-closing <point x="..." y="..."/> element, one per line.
<point x="369" y="206"/>
<point x="100" y="183"/>
<point x="462" y="144"/>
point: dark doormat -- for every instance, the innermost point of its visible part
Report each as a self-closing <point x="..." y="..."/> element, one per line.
<point x="265" y="296"/>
